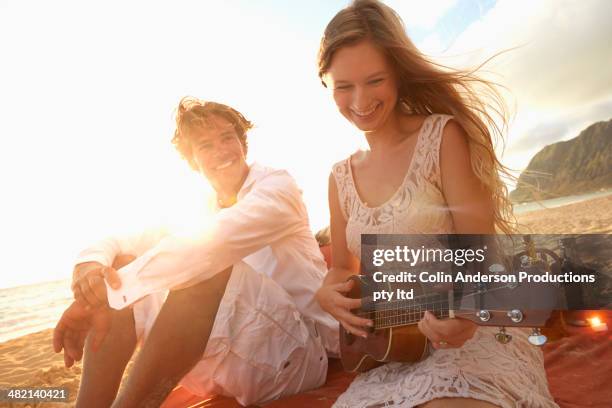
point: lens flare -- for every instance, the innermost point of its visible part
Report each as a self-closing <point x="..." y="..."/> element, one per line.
<point x="597" y="324"/>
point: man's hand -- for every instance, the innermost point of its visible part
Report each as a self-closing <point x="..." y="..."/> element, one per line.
<point x="73" y="328"/>
<point x="88" y="283"/>
<point x="450" y="333"/>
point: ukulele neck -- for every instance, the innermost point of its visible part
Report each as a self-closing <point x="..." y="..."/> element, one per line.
<point x="405" y="312"/>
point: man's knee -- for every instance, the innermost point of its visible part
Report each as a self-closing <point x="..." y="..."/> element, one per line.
<point x="199" y="301"/>
<point x="208" y="289"/>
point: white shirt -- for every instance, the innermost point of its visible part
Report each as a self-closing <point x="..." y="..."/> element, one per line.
<point x="267" y="228"/>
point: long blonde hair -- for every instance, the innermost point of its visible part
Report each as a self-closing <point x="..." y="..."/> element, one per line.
<point x="426" y="87"/>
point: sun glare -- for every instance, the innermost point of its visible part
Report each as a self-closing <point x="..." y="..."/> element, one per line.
<point x="597" y="324"/>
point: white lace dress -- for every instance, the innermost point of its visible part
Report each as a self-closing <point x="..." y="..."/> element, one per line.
<point x="510" y="375"/>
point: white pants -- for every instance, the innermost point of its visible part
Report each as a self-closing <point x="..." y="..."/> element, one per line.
<point x="260" y="348"/>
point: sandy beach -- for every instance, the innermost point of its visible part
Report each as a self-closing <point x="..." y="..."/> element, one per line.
<point x="586" y="217"/>
<point x="30" y="360"/>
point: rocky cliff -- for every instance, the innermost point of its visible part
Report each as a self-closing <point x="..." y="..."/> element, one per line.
<point x="580" y="165"/>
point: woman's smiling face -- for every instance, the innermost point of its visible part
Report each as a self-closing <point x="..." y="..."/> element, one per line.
<point x="363" y="85"/>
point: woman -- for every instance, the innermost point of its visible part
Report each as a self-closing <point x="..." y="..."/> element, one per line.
<point x="431" y="168"/>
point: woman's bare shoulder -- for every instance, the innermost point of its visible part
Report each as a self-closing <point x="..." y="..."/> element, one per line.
<point x="454" y="136"/>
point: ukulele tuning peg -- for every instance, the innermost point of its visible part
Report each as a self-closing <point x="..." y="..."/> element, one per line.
<point x="503" y="337"/>
<point x="515" y="315"/>
<point x="525" y="261"/>
<point x="483" y="315"/>
<point x="537" y="338"/>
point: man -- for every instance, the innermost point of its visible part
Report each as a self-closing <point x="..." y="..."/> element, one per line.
<point x="240" y="318"/>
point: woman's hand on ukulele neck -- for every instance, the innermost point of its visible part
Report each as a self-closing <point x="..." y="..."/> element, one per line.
<point x="447" y="333"/>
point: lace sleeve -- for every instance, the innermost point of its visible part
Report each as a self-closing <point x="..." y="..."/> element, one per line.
<point x="341" y="176"/>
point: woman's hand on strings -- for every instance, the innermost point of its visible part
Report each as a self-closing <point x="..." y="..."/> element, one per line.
<point x="332" y="299"/>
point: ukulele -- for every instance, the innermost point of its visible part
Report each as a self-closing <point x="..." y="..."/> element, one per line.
<point x="396" y="337"/>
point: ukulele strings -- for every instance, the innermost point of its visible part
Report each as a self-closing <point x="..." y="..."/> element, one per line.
<point x="393" y="303"/>
<point x="411" y="308"/>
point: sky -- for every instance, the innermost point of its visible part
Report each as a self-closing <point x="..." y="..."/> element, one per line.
<point x="88" y="92"/>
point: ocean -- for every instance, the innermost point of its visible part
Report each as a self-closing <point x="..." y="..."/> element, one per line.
<point x="31" y="308"/>
<point x="557" y="202"/>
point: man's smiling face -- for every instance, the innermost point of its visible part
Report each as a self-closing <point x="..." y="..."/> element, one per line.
<point x="219" y="153"/>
